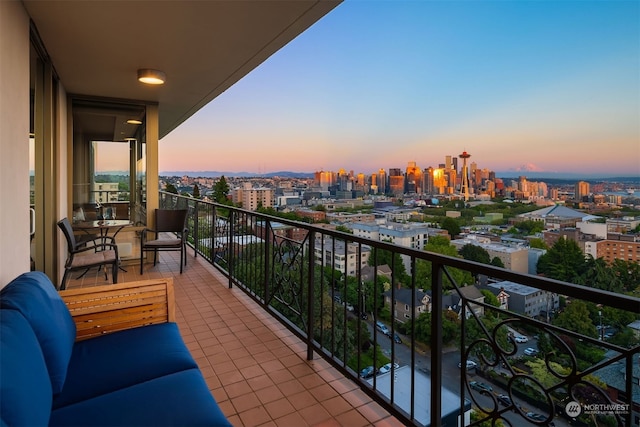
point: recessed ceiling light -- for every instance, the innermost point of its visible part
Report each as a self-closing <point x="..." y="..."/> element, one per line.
<point x="134" y="122"/>
<point x="152" y="77"/>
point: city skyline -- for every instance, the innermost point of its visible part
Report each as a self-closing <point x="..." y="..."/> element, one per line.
<point x="528" y="87"/>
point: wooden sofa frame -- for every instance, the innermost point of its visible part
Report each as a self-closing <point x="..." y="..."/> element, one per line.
<point x="104" y="309"/>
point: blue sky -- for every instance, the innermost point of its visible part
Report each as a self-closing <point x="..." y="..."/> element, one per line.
<point x="549" y="86"/>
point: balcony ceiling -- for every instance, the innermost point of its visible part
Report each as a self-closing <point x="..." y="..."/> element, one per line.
<point x="204" y="46"/>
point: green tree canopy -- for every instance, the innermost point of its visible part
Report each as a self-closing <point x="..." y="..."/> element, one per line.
<point x="563" y="261"/>
<point x="170" y="188"/>
<point x="475" y="253"/>
<point x="497" y="262"/>
<point x="451" y="225"/>
<point x="196" y="191"/>
<point x="575" y="317"/>
<point x="221" y="191"/>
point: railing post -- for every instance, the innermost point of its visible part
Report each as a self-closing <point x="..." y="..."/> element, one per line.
<point x="310" y="293"/>
<point x="267" y="261"/>
<point x="196" y="228"/>
<point x="436" y="344"/>
<point x="230" y="247"/>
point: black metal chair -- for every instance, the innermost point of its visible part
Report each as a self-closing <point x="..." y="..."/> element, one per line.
<point x="170" y="234"/>
<point x="103" y="251"/>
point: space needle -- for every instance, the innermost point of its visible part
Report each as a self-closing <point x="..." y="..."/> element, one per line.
<point x="465" y="175"/>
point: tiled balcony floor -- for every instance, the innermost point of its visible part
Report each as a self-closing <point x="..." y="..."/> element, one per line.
<point x="256" y="369"/>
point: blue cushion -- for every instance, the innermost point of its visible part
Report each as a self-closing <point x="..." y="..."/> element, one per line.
<point x="113" y="361"/>
<point x="25" y="388"/>
<point x="181" y="399"/>
<point x="36" y="298"/>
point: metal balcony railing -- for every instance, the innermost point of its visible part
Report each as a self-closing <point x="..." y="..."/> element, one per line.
<point x="376" y="325"/>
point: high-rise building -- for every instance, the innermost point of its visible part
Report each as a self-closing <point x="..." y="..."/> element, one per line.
<point x="581" y="191"/>
<point x="413" y="179"/>
<point x="439" y="181"/>
<point x="396" y="182"/>
<point x="427" y="181"/>
<point x="382" y="181"/>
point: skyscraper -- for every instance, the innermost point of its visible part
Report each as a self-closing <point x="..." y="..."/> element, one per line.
<point x="581" y="190"/>
<point x="382" y="181"/>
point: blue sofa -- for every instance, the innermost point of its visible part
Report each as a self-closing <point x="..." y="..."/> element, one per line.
<point x="142" y="376"/>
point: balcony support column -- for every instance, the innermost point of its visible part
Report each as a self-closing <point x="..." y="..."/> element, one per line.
<point x="310" y="293"/>
<point x="436" y="344"/>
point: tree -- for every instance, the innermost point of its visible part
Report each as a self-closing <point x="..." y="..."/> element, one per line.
<point x="196" y="191"/>
<point x="170" y="188"/>
<point x="475" y="253"/>
<point x="538" y="243"/>
<point x="575" y="317"/>
<point x="497" y="262"/>
<point x="221" y="191"/>
<point x="451" y="225"/>
<point x="393" y="260"/>
<point x="441" y="245"/>
<point x="564" y="261"/>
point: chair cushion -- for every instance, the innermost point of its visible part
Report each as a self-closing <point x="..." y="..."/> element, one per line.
<point x="164" y="243"/>
<point x="93" y="258"/>
<point x="25" y="387"/>
<point x="118" y="360"/>
<point x="180" y="399"/>
<point x="33" y="295"/>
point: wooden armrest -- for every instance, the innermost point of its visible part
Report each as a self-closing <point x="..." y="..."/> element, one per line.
<point x="99" y="310"/>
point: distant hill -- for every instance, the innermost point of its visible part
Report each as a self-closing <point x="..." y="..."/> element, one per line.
<point x="215" y="174"/>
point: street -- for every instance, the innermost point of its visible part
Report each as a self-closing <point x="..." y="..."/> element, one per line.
<point x="451" y="376"/>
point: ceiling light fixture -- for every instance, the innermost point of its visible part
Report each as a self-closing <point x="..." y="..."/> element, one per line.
<point x="134" y="122"/>
<point x="152" y="77"/>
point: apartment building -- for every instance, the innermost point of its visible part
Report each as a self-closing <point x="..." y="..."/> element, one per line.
<point x="515" y="258"/>
<point x="410" y="235"/>
<point x="526" y="300"/>
<point x="340" y="256"/>
<point x="253" y="197"/>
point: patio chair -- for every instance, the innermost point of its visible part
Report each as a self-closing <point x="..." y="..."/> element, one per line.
<point x="170" y="234"/>
<point x="83" y="256"/>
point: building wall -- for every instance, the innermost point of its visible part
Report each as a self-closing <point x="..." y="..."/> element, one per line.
<point x="14" y="141"/>
<point x="611" y="250"/>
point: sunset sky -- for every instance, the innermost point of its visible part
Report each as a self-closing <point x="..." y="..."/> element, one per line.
<point x="550" y="86"/>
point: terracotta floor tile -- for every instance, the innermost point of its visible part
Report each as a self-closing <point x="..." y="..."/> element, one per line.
<point x="254" y="366"/>
<point x="292" y="420"/>
<point x="302" y="400"/>
<point x="279" y="408"/>
<point x="337" y="405"/>
<point x="314" y="414"/>
<point x="254" y="416"/>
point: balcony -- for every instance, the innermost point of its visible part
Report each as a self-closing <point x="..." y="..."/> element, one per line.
<point x="255" y="367"/>
<point x="266" y="309"/>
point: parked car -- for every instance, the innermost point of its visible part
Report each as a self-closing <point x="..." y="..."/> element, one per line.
<point x="368" y="372"/>
<point x="504" y="400"/>
<point x="470" y="365"/>
<point x="384" y="369"/>
<point x="521" y="339"/>
<point x="481" y="387"/>
<point x="397" y="339"/>
<point x="529" y="351"/>
<point x="387" y="368"/>
<point x="382" y="327"/>
<point x="538" y="418"/>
